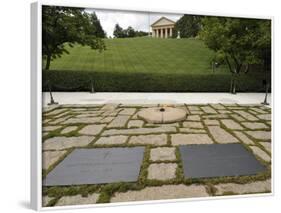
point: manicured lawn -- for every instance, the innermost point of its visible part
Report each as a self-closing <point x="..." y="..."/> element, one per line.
<point x="145" y="64"/>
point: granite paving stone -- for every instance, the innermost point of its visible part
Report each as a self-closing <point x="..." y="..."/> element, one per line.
<point x="189" y="124"/>
<point x="59" y="143"/>
<point x="119" y="121"/>
<point x="87" y="120"/>
<point x="161" y="192"/>
<point x="189" y="130"/>
<point x="163" y="154"/>
<point x="208" y="122"/>
<point x="128" y="111"/>
<point x="69" y="129"/>
<point x="162" y="171"/>
<point x="93" y="129"/>
<point x="266" y="145"/>
<point x="246" y="115"/>
<point x="50" y="157"/>
<point x="221" y="136"/>
<point x="77" y="200"/>
<point x="253" y="187"/>
<point x="243" y="137"/>
<point x="139" y="131"/>
<point x="208" y="110"/>
<point x="118" y="139"/>
<point x="254" y="125"/>
<point x="135" y="123"/>
<point x="260" y="135"/>
<point x="149" y="139"/>
<point x="260" y="153"/>
<point x="180" y="139"/>
<point x="231" y="124"/>
<point x="266" y="117"/>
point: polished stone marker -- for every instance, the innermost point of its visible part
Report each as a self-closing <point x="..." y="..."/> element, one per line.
<point x="96" y="166"/>
<point x="217" y="160"/>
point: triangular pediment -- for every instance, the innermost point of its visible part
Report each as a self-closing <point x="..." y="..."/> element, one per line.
<point x="162" y="22"/>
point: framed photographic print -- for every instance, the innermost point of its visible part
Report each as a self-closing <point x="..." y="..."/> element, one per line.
<point x="145" y="106"/>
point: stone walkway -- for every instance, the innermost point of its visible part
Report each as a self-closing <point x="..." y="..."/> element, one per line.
<point x="67" y="127"/>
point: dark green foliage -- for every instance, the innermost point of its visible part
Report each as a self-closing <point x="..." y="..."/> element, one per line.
<point x="238" y="42"/>
<point x="188" y="26"/>
<point x="63" y="80"/>
<point x="96" y="26"/>
<point x="61" y="25"/>
<point x="119" y="32"/>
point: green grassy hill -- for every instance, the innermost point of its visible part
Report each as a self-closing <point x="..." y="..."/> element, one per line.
<point x="144" y="64"/>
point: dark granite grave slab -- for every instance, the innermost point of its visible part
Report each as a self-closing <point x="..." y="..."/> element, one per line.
<point x="96" y="166"/>
<point x="217" y="160"/>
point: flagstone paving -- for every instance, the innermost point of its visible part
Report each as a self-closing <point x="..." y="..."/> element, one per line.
<point x="161" y="176"/>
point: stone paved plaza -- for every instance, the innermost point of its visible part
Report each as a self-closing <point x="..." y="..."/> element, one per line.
<point x="161" y="176"/>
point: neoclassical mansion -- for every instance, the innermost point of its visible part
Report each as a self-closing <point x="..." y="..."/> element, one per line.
<point x="162" y="28"/>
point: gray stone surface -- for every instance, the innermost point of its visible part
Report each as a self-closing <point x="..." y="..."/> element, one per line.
<point x="161" y="192"/>
<point x="87" y="120"/>
<point x="93" y="129"/>
<point x="96" y="166"/>
<point x="266" y="117"/>
<point x="231" y="124"/>
<point x="55" y="112"/>
<point x="237" y="117"/>
<point x="119" y="121"/>
<point x="260" y="153"/>
<point x="218" y="160"/>
<point x="77" y="200"/>
<point x="180" y="139"/>
<point x="193" y="118"/>
<point x="246" y="115"/>
<point x="266" y="145"/>
<point x="50" y="128"/>
<point x="191" y="124"/>
<point x="51" y="157"/>
<point x="258" y="110"/>
<point x="139" y="131"/>
<point x="193" y="108"/>
<point x="189" y="130"/>
<point x="118" y="139"/>
<point x="218" y="106"/>
<point x="260" y="135"/>
<point x="163" y="154"/>
<point x="222" y="136"/>
<point x="208" y="122"/>
<point x="162" y="171"/>
<point x="243" y="137"/>
<point x="149" y="139"/>
<point x="128" y="111"/>
<point x="69" y="129"/>
<point x="254" y="125"/>
<point x="208" y="110"/>
<point x="46" y="200"/>
<point x="135" y="123"/>
<point x="58" y="143"/>
<point x="254" y="187"/>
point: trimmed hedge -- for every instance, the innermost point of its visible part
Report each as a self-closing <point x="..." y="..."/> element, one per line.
<point x="65" y="80"/>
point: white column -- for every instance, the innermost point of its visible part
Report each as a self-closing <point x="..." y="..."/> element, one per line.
<point x="166" y="32"/>
<point x="157" y="34"/>
<point x="161" y="32"/>
<point x="171" y="32"/>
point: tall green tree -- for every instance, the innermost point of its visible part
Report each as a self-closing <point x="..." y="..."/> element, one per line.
<point x="118" y="32"/>
<point x="188" y="26"/>
<point x="63" y="26"/>
<point x="237" y="41"/>
<point x="97" y="28"/>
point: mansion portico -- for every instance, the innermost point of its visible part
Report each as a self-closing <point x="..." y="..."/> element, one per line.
<point x="162" y="28"/>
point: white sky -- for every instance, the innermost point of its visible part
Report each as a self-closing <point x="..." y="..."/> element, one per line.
<point x="137" y="20"/>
